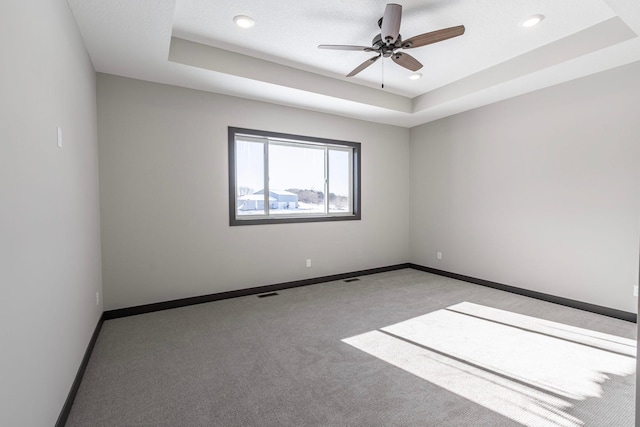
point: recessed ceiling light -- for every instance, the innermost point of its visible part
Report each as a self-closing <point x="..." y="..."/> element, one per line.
<point x="532" y="20"/>
<point x="244" y="21"/>
<point x="415" y="76"/>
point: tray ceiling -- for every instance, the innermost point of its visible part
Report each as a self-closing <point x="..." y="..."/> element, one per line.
<point x="196" y="44"/>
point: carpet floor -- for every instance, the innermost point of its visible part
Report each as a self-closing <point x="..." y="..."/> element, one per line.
<point x="402" y="348"/>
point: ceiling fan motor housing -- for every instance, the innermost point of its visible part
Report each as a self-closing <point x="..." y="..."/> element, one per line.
<point x="386" y="49"/>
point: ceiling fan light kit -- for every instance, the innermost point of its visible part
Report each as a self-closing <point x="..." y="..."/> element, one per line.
<point x="388" y="43"/>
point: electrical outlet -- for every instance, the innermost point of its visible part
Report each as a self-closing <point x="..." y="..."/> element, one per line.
<point x="635" y="291"/>
<point x="308" y="263"/>
<point x="97" y="298"/>
<point x="439" y="255"/>
<point x="59" y="137"/>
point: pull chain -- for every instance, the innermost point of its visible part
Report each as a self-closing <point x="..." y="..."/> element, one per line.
<point x="382" y="73"/>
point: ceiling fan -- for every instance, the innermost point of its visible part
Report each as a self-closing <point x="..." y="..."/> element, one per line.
<point x="389" y="41"/>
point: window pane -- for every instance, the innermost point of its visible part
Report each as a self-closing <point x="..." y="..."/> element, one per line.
<point x="277" y="178"/>
<point x="249" y="178"/>
<point x="296" y="180"/>
<point x="339" y="181"/>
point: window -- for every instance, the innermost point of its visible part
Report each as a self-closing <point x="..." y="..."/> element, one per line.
<point x="277" y="178"/>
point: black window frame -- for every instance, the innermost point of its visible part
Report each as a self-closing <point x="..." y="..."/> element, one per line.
<point x="356" y="213"/>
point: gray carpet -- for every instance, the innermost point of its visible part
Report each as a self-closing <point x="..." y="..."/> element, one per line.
<point x="287" y="360"/>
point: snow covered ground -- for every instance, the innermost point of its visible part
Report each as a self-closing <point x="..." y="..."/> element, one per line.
<point x="303" y="208"/>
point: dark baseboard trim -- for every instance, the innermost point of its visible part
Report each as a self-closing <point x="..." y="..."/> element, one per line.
<point x="605" y="311"/>
<point x="183" y="302"/>
<point x="66" y="409"/>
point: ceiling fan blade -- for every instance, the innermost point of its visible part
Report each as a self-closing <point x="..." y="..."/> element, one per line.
<point x="362" y="66"/>
<point x="345" y="47"/>
<point x="391" y="23"/>
<point x="407" y="61"/>
<point x="433" y="37"/>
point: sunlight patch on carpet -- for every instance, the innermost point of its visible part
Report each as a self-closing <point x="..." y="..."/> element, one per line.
<point x="527" y="369"/>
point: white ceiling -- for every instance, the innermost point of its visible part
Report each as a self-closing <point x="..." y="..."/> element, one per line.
<point x="195" y="44"/>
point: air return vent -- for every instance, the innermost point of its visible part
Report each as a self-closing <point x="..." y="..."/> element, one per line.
<point x="272" y="294"/>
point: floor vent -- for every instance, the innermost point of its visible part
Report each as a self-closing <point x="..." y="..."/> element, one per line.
<point x="355" y="279"/>
<point x="272" y="294"/>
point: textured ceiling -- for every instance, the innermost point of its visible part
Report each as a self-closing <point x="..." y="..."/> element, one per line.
<point x="195" y="43"/>
<point x="291" y="34"/>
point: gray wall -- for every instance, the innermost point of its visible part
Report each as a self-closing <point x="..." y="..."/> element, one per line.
<point x="49" y="212"/>
<point x="164" y="196"/>
<point x="540" y="192"/>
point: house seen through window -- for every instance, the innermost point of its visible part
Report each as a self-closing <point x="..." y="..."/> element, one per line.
<point x="289" y="178"/>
